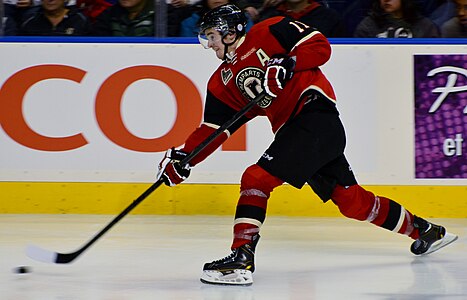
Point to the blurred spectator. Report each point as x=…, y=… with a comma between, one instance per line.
x=55, y=19
x=252, y=7
x=93, y=8
x=126, y=18
x=177, y=11
x=310, y=12
x=396, y=19
x=137, y=18
x=445, y=11
x=426, y=7
x=457, y=26
x=190, y=26
x=16, y=12
x=352, y=11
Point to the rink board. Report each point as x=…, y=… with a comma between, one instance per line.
x=82, y=132
x=203, y=199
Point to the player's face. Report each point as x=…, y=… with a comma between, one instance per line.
x=214, y=41
x=392, y=7
x=212, y=38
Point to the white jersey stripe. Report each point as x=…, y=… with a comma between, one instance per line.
x=248, y=221
x=401, y=220
x=307, y=37
x=216, y=127
x=317, y=88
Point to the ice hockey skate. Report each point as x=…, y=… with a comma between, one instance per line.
x=432, y=237
x=234, y=269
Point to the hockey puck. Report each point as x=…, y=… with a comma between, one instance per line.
x=22, y=270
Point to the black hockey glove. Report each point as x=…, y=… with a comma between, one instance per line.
x=279, y=70
x=170, y=170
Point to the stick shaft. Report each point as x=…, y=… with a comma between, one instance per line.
x=221, y=129
x=64, y=258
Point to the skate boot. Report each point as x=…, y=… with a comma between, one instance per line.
x=432, y=237
x=234, y=269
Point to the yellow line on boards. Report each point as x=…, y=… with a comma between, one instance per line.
x=210, y=199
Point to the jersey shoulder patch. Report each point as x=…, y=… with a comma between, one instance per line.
x=289, y=32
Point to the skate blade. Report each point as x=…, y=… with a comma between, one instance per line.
x=238, y=277
x=446, y=240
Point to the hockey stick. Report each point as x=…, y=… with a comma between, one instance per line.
x=47, y=256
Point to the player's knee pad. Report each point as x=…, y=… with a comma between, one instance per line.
x=354, y=201
x=257, y=178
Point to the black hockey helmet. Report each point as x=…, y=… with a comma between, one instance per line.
x=226, y=19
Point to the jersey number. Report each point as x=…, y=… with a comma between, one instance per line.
x=299, y=25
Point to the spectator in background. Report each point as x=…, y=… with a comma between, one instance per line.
x=190, y=26
x=457, y=26
x=445, y=11
x=93, y=8
x=254, y=7
x=352, y=11
x=426, y=7
x=126, y=18
x=177, y=11
x=16, y=12
x=310, y=12
x=55, y=19
x=396, y=19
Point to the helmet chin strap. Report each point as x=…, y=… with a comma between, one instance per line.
x=226, y=47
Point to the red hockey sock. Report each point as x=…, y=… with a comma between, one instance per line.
x=391, y=215
x=256, y=186
x=357, y=203
x=243, y=234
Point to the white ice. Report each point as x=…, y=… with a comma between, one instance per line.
x=161, y=257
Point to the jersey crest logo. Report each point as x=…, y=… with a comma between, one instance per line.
x=226, y=75
x=248, y=81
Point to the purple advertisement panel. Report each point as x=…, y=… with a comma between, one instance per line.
x=440, y=116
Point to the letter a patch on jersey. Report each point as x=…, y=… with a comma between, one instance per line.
x=226, y=75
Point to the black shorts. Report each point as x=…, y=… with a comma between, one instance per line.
x=310, y=148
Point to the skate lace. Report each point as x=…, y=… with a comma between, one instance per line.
x=226, y=258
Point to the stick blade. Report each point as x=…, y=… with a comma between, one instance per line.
x=42, y=255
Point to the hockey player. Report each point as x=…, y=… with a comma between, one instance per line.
x=281, y=57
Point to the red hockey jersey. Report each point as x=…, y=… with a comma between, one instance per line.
x=239, y=80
